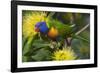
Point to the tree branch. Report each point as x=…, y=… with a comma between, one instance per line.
x=85, y=27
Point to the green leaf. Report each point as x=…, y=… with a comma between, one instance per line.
x=24, y=59
x=81, y=48
x=40, y=44
x=85, y=34
x=81, y=38
x=42, y=55
x=24, y=41
x=28, y=45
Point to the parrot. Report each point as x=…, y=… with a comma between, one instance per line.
x=55, y=30
x=65, y=31
x=43, y=29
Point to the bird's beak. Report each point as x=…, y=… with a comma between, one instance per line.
x=36, y=29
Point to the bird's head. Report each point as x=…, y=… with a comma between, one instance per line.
x=41, y=27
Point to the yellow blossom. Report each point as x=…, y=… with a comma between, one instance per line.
x=64, y=54
x=29, y=20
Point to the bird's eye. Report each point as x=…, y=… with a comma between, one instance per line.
x=40, y=25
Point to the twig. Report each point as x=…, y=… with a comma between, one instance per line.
x=40, y=36
x=85, y=27
x=51, y=14
x=83, y=38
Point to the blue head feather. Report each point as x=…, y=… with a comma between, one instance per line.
x=42, y=27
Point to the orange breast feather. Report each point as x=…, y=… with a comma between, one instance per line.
x=53, y=32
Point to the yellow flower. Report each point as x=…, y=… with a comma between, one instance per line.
x=64, y=54
x=29, y=20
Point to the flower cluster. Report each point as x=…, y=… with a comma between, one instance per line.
x=29, y=21
x=64, y=54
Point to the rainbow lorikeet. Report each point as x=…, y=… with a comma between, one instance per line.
x=56, y=29
x=43, y=29
x=65, y=31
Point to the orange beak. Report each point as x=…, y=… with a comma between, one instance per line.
x=37, y=29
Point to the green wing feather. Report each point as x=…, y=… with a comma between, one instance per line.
x=63, y=29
